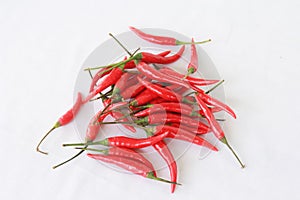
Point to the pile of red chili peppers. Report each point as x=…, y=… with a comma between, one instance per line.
x=143, y=92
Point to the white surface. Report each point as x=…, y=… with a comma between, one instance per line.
x=255, y=48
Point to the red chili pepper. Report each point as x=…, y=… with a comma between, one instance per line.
x=162, y=40
x=122, y=141
x=166, y=154
x=214, y=102
x=161, y=118
x=157, y=100
x=64, y=119
x=215, y=127
x=101, y=73
x=168, y=107
x=109, y=80
x=154, y=74
x=193, y=65
x=143, y=98
x=129, y=165
x=181, y=134
x=132, y=91
x=157, y=59
x=194, y=130
x=124, y=152
x=189, y=79
x=120, y=85
x=160, y=91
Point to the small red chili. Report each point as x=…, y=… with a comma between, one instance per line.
x=122, y=141
x=160, y=91
x=193, y=65
x=129, y=165
x=162, y=40
x=64, y=119
x=143, y=98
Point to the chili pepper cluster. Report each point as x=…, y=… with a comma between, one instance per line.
x=143, y=92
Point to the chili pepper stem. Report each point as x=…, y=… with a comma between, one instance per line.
x=214, y=87
x=150, y=175
x=125, y=49
x=75, y=156
x=224, y=140
x=201, y=42
x=104, y=151
x=56, y=125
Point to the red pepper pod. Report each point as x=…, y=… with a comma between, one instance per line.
x=133, y=143
x=109, y=80
x=214, y=102
x=160, y=91
x=94, y=126
x=69, y=115
x=143, y=98
x=193, y=65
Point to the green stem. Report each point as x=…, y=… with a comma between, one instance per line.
x=214, y=87
x=128, y=52
x=75, y=156
x=201, y=42
x=56, y=125
x=150, y=175
x=104, y=151
x=224, y=140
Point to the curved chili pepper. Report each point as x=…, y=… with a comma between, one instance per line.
x=181, y=134
x=193, y=64
x=162, y=148
x=189, y=79
x=214, y=102
x=215, y=127
x=153, y=74
x=102, y=72
x=129, y=165
x=109, y=80
x=124, y=152
x=122, y=141
x=143, y=98
x=64, y=119
x=160, y=91
x=161, y=118
x=162, y=40
x=166, y=106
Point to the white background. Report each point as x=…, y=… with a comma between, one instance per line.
x=255, y=48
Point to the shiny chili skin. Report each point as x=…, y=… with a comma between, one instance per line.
x=189, y=79
x=162, y=148
x=132, y=91
x=157, y=59
x=132, y=143
x=93, y=127
x=194, y=130
x=154, y=74
x=161, y=118
x=193, y=64
x=160, y=91
x=214, y=102
x=123, y=162
x=114, y=75
x=69, y=115
x=143, y=98
x=102, y=72
x=215, y=127
x=168, y=107
x=128, y=153
x=184, y=135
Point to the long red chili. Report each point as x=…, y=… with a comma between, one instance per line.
x=161, y=118
x=189, y=79
x=129, y=165
x=162, y=148
x=160, y=91
x=214, y=102
x=181, y=134
x=109, y=80
x=193, y=64
x=162, y=40
x=122, y=141
x=132, y=91
x=143, y=98
x=153, y=74
x=124, y=152
x=194, y=130
x=64, y=119
x=215, y=126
